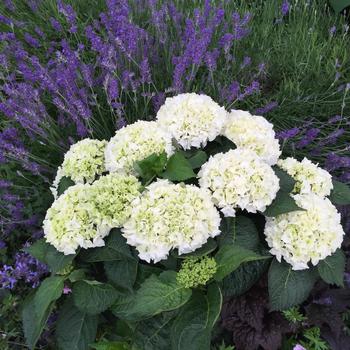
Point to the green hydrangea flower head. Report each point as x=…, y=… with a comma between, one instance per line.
x=196, y=271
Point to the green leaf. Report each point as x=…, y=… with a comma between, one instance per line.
x=110, y=345
x=157, y=294
x=93, y=297
x=340, y=193
x=75, y=330
x=50, y=290
x=32, y=325
x=145, y=271
x=64, y=183
x=122, y=273
x=287, y=183
x=197, y=159
x=116, y=248
x=230, y=257
x=37, y=309
x=49, y=255
x=151, y=166
x=283, y=203
x=242, y=279
x=178, y=168
x=38, y=250
x=154, y=333
x=77, y=275
x=339, y=5
x=332, y=268
x=207, y=248
x=192, y=328
x=288, y=287
x=239, y=230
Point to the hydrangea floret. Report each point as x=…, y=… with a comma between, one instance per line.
x=136, y=142
x=254, y=133
x=239, y=179
x=196, y=271
x=169, y=216
x=84, y=214
x=70, y=223
x=82, y=163
x=305, y=236
x=192, y=119
x=309, y=177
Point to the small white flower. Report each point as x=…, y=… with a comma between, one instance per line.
x=309, y=177
x=169, y=216
x=254, y=133
x=301, y=237
x=136, y=142
x=239, y=179
x=192, y=119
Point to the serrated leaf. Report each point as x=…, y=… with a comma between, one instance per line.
x=287, y=287
x=154, y=333
x=75, y=330
x=32, y=325
x=144, y=272
x=178, y=168
x=332, y=268
x=122, y=273
x=151, y=166
x=283, y=203
x=243, y=278
x=50, y=290
x=287, y=182
x=116, y=248
x=77, y=275
x=230, y=257
x=157, y=294
x=197, y=159
x=239, y=230
x=49, y=255
x=64, y=184
x=340, y=193
x=93, y=297
x=192, y=328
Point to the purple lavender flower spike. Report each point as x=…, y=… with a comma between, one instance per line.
x=285, y=8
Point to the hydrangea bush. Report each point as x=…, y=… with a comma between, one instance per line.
x=157, y=239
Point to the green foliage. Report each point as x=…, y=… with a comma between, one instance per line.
x=178, y=168
x=294, y=315
x=48, y=254
x=93, y=297
x=157, y=294
x=196, y=158
x=75, y=329
x=313, y=340
x=151, y=166
x=192, y=328
x=222, y=346
x=122, y=273
x=37, y=308
x=283, y=203
x=110, y=345
x=230, y=257
x=339, y=5
x=115, y=249
x=64, y=184
x=340, y=193
x=288, y=288
x=332, y=268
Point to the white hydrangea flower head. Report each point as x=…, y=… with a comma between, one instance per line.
x=309, y=177
x=70, y=223
x=192, y=119
x=254, y=133
x=136, y=142
x=112, y=196
x=301, y=237
x=239, y=179
x=83, y=161
x=169, y=216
